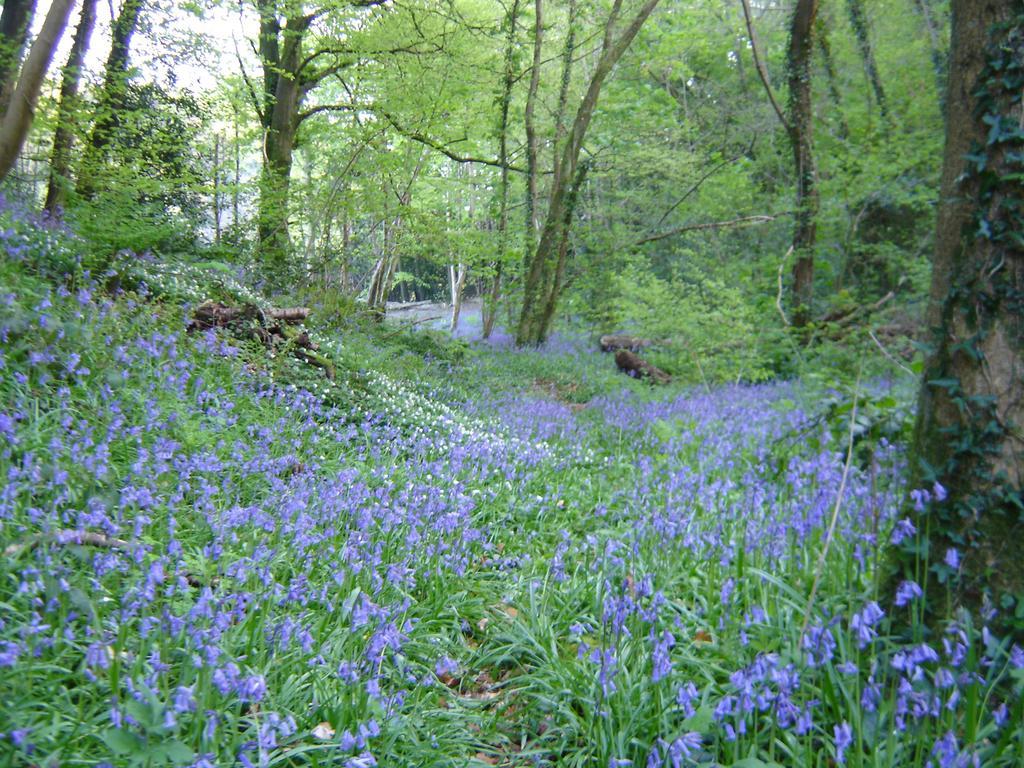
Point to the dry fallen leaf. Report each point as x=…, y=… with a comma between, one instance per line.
x=323, y=731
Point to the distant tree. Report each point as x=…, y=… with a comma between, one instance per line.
x=20, y=110
x=112, y=94
x=15, y=23
x=798, y=120
x=68, y=109
x=544, y=276
x=801, y=139
x=861, y=30
x=969, y=436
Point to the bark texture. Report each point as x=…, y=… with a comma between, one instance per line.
x=800, y=126
x=284, y=91
x=17, y=118
x=969, y=434
x=15, y=22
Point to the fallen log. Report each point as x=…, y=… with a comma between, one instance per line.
x=616, y=341
x=251, y=322
x=634, y=365
x=65, y=537
x=213, y=314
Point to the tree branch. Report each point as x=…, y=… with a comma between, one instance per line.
x=740, y=222
x=762, y=70
x=443, y=149
x=701, y=180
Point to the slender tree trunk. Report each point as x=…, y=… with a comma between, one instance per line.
x=236, y=190
x=346, y=240
x=938, y=53
x=969, y=435
x=112, y=95
x=67, y=111
x=217, y=203
x=15, y=24
x=542, y=284
x=532, y=142
x=17, y=118
x=492, y=297
x=801, y=122
x=825, y=47
x=859, y=21
x=459, y=275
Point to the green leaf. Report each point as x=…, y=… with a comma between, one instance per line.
x=121, y=742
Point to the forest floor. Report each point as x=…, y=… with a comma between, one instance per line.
x=450, y=556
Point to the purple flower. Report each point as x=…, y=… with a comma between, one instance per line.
x=684, y=748
x=952, y=558
x=685, y=697
x=907, y=591
x=863, y=623
x=903, y=530
x=183, y=700
x=844, y=737
x=661, y=659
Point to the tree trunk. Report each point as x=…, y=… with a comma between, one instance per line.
x=859, y=21
x=801, y=122
x=532, y=142
x=67, y=111
x=938, y=54
x=492, y=298
x=112, y=95
x=217, y=201
x=825, y=46
x=281, y=54
x=15, y=23
x=545, y=269
x=458, y=287
x=968, y=435
x=17, y=118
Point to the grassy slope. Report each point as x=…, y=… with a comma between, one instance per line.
x=433, y=563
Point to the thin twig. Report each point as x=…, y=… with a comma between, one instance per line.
x=740, y=222
x=886, y=352
x=762, y=70
x=778, y=295
x=835, y=514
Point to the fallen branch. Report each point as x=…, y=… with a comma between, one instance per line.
x=64, y=537
x=634, y=365
x=211, y=314
x=614, y=342
x=844, y=317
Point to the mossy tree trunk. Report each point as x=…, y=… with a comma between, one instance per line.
x=969, y=435
x=800, y=127
x=545, y=267
x=15, y=23
x=67, y=111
